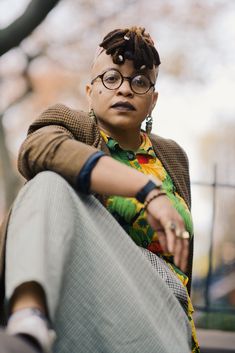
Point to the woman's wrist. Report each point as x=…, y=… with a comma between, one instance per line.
x=152, y=196
x=110, y=177
x=148, y=188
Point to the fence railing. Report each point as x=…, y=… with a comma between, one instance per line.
x=214, y=185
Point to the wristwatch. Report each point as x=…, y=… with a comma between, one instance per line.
x=151, y=185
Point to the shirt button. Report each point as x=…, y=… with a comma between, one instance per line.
x=145, y=243
x=130, y=156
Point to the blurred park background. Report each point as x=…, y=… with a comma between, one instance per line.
x=196, y=106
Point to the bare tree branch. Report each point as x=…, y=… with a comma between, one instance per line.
x=34, y=14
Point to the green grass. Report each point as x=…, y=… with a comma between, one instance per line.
x=216, y=321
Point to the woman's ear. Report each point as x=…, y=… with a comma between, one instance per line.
x=154, y=100
x=88, y=93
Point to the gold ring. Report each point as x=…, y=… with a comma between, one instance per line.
x=178, y=232
x=183, y=235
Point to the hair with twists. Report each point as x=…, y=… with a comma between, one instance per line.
x=132, y=44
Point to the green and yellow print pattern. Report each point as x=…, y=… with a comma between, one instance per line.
x=131, y=215
x=128, y=211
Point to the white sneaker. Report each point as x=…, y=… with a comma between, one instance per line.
x=32, y=322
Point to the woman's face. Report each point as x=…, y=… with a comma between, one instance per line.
x=120, y=108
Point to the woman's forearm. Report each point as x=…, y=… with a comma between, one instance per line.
x=111, y=177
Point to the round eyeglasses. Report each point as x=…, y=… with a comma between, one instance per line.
x=113, y=79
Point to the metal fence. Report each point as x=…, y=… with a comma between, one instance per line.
x=215, y=185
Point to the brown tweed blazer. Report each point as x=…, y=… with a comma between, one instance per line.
x=62, y=139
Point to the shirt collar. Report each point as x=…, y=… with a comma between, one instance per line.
x=145, y=147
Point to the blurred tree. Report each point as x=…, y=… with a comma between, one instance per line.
x=217, y=147
x=58, y=55
x=34, y=14
x=9, y=179
x=11, y=37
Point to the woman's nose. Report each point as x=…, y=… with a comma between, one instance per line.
x=125, y=88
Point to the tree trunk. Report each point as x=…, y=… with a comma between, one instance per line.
x=11, y=37
x=10, y=181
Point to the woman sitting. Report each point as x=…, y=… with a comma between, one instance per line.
x=99, y=238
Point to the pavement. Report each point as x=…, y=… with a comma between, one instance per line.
x=213, y=341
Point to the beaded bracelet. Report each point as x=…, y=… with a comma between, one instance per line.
x=162, y=193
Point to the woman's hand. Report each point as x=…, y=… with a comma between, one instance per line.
x=110, y=177
x=170, y=227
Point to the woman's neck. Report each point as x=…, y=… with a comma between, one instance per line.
x=127, y=139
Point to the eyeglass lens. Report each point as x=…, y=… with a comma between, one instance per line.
x=112, y=79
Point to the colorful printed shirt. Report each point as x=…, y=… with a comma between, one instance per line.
x=131, y=215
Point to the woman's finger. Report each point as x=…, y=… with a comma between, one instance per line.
x=178, y=252
x=181, y=250
x=171, y=238
x=184, y=255
x=163, y=240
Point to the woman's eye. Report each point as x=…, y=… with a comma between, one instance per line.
x=111, y=78
x=141, y=81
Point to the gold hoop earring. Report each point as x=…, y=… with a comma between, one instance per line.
x=148, y=124
x=92, y=115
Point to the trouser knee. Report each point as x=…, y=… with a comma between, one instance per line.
x=47, y=185
x=52, y=179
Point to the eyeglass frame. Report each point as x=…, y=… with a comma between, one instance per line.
x=128, y=78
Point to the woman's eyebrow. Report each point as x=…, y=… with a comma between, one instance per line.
x=110, y=68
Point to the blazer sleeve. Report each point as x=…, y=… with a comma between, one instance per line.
x=60, y=140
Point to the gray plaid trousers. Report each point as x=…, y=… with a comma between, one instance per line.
x=104, y=294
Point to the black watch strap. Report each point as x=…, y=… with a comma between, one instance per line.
x=142, y=194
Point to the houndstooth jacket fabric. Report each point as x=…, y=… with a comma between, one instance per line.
x=62, y=139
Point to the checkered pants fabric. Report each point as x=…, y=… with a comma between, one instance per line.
x=103, y=294
x=168, y=277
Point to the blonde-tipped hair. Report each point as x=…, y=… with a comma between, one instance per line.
x=132, y=44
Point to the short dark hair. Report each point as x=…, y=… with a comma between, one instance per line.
x=132, y=44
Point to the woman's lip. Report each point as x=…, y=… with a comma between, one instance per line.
x=123, y=106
